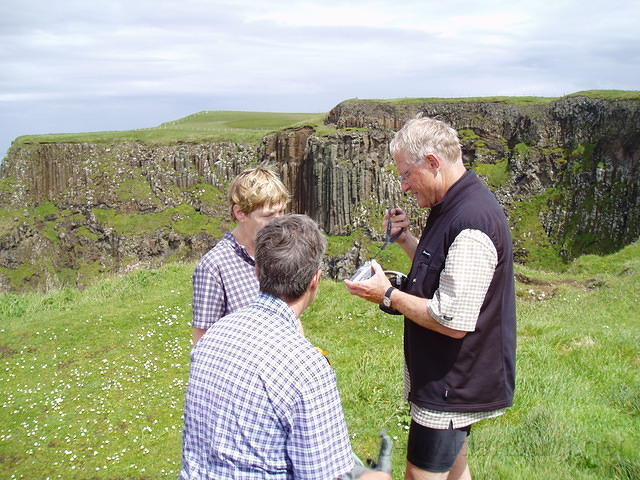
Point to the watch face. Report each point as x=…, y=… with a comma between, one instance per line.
x=386, y=301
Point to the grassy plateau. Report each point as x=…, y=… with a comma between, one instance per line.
x=93, y=382
x=251, y=127
x=206, y=126
x=513, y=100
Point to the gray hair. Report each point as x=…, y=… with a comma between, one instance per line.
x=289, y=251
x=421, y=136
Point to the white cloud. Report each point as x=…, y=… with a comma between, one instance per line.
x=306, y=55
x=306, y=14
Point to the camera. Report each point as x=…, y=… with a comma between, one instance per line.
x=397, y=279
x=365, y=272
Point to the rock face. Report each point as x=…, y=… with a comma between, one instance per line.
x=70, y=211
x=581, y=152
x=335, y=180
x=87, y=175
x=566, y=171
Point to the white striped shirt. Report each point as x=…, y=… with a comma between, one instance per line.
x=468, y=270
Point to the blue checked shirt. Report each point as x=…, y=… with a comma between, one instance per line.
x=224, y=281
x=262, y=402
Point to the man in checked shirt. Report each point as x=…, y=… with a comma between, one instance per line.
x=225, y=279
x=262, y=401
x=458, y=301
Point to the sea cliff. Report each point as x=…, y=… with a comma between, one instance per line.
x=566, y=171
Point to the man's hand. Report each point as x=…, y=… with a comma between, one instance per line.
x=375, y=475
x=372, y=289
x=399, y=223
x=384, y=456
x=197, y=335
x=381, y=468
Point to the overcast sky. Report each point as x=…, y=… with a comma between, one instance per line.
x=78, y=65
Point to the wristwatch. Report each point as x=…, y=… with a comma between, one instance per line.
x=386, y=300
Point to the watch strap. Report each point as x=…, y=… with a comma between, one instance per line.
x=387, y=295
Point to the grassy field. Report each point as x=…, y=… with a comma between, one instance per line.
x=422, y=100
x=523, y=100
x=93, y=382
x=208, y=126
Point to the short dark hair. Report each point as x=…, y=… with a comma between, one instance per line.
x=289, y=252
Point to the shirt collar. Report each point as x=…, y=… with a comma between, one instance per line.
x=239, y=249
x=278, y=307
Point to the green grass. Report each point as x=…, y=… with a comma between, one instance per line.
x=93, y=381
x=212, y=120
x=513, y=100
x=183, y=219
x=391, y=258
x=41, y=218
x=208, y=126
x=419, y=101
x=529, y=234
x=496, y=173
x=609, y=94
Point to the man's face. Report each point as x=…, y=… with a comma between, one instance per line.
x=421, y=179
x=261, y=217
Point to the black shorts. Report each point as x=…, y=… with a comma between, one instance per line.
x=435, y=450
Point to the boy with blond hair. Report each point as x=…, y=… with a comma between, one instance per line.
x=225, y=279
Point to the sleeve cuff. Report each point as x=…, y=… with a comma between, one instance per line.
x=434, y=309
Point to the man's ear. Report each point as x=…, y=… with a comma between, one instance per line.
x=315, y=281
x=238, y=213
x=432, y=160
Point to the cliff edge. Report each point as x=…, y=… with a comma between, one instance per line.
x=565, y=170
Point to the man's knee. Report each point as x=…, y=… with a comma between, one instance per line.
x=415, y=473
x=434, y=451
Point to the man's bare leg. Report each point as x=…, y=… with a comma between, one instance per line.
x=459, y=471
x=415, y=473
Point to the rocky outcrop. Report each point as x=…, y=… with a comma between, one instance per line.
x=88, y=175
x=72, y=211
x=566, y=171
x=336, y=180
x=586, y=149
x=571, y=120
